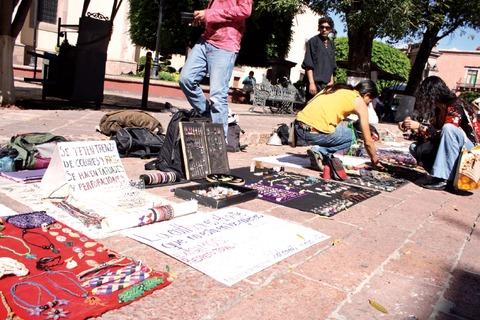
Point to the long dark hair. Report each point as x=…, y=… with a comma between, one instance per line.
x=432, y=92
x=363, y=87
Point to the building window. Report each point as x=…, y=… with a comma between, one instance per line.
x=472, y=76
x=47, y=11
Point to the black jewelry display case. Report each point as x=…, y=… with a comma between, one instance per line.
x=188, y=193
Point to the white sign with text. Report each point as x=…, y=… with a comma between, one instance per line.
x=83, y=166
x=229, y=244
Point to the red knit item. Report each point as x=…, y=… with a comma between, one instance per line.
x=78, y=307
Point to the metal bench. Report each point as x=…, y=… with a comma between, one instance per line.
x=275, y=98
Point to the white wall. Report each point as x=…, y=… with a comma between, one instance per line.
x=305, y=26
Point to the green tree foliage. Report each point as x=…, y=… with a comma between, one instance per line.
x=469, y=96
x=384, y=56
x=174, y=35
x=436, y=20
x=367, y=20
x=268, y=33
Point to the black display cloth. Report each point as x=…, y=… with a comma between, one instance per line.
x=311, y=194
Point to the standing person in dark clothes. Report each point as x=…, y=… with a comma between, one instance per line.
x=319, y=62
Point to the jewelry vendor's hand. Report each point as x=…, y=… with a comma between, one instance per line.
x=410, y=124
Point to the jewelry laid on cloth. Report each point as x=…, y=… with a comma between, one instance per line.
x=47, y=263
x=139, y=289
x=31, y=220
x=112, y=275
x=157, y=214
x=49, y=246
x=88, y=218
x=10, y=314
x=35, y=309
x=94, y=301
x=56, y=314
x=227, y=178
x=112, y=263
x=122, y=283
x=12, y=266
x=44, y=227
x=159, y=177
x=71, y=264
x=71, y=278
x=27, y=255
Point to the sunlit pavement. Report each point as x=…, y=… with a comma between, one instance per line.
x=413, y=251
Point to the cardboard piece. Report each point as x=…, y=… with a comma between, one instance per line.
x=81, y=167
x=229, y=244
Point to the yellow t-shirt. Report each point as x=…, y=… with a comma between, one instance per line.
x=325, y=111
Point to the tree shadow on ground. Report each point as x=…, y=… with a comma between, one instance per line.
x=464, y=296
x=31, y=98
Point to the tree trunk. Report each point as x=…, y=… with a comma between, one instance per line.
x=7, y=89
x=416, y=73
x=360, y=44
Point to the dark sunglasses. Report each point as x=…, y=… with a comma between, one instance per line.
x=325, y=27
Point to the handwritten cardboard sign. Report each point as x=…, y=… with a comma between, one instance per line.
x=84, y=166
x=229, y=244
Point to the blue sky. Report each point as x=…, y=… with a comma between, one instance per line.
x=465, y=39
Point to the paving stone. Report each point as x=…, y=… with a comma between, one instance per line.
x=397, y=248
x=401, y=296
x=420, y=263
x=312, y=300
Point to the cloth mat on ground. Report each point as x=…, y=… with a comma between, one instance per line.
x=392, y=155
x=57, y=292
x=30, y=195
x=25, y=176
x=310, y=194
x=394, y=177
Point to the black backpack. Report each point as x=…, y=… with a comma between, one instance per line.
x=170, y=156
x=233, y=138
x=283, y=133
x=138, y=142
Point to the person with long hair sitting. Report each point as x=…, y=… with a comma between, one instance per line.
x=445, y=124
x=320, y=122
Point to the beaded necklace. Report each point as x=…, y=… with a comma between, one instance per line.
x=49, y=246
x=27, y=255
x=72, y=279
x=38, y=308
x=10, y=314
x=92, y=271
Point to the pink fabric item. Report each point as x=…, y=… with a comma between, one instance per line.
x=41, y=162
x=225, y=23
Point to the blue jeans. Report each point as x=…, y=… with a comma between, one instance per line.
x=327, y=144
x=205, y=58
x=452, y=139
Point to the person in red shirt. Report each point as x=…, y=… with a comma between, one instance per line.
x=215, y=53
x=445, y=125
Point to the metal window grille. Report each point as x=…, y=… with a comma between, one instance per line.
x=47, y=11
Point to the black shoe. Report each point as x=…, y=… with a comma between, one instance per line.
x=436, y=184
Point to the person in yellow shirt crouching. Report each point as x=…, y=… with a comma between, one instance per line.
x=320, y=122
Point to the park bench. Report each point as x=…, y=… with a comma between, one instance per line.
x=276, y=98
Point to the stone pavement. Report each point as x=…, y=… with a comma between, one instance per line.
x=414, y=251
